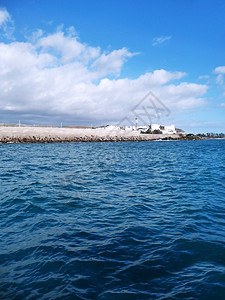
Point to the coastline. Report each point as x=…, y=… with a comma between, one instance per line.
x=11, y=134
x=46, y=134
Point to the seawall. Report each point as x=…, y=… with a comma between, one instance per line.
x=59, y=135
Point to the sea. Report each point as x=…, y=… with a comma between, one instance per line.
x=125, y=220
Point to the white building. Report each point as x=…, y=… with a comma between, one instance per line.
x=154, y=127
x=112, y=127
x=130, y=128
x=143, y=128
x=165, y=129
x=169, y=129
x=140, y=128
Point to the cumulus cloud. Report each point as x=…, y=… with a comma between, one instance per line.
x=160, y=40
x=112, y=63
x=58, y=77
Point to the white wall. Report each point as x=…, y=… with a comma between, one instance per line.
x=155, y=127
x=167, y=129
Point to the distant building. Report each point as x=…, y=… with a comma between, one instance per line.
x=164, y=129
x=140, y=128
x=143, y=128
x=112, y=127
x=130, y=128
x=168, y=129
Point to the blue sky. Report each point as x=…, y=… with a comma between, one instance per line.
x=90, y=62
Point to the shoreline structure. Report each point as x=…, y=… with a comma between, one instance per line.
x=29, y=134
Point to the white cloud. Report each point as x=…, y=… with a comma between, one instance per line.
x=66, y=48
x=222, y=104
x=112, y=63
x=58, y=77
x=4, y=16
x=220, y=70
x=220, y=77
x=160, y=40
x=204, y=77
x=6, y=24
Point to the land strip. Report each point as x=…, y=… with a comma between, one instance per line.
x=59, y=135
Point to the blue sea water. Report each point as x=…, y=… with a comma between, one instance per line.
x=132, y=220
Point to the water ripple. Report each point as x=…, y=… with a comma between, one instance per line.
x=112, y=220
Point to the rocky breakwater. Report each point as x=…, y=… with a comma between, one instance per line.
x=62, y=135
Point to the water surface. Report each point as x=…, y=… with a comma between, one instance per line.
x=142, y=220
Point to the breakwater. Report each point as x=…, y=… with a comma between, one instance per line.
x=61, y=135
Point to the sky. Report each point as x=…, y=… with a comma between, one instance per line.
x=107, y=62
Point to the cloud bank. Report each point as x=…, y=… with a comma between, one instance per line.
x=56, y=77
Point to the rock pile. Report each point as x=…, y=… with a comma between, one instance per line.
x=74, y=139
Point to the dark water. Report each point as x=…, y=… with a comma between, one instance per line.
x=113, y=220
